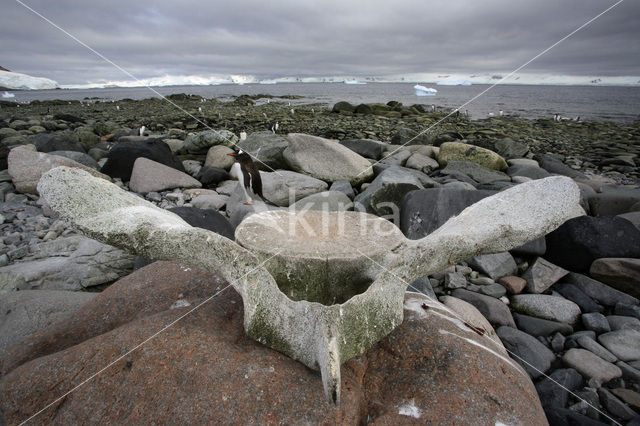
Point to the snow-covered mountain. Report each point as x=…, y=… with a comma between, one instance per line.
x=17, y=81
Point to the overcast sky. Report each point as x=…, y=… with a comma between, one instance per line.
x=276, y=38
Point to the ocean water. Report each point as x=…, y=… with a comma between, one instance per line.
x=601, y=103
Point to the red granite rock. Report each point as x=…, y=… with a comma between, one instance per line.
x=514, y=285
x=204, y=369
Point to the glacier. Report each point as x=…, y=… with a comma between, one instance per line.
x=442, y=79
x=454, y=83
x=18, y=81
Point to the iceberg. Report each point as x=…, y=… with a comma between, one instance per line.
x=242, y=79
x=7, y=95
x=354, y=82
x=268, y=82
x=18, y=81
x=424, y=91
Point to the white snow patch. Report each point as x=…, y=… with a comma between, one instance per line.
x=410, y=409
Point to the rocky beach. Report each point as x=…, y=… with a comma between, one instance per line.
x=560, y=314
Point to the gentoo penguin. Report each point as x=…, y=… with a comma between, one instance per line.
x=141, y=131
x=248, y=175
x=274, y=126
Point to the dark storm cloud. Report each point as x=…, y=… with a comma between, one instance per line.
x=315, y=38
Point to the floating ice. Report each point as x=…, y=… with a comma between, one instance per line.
x=424, y=91
x=354, y=82
x=8, y=95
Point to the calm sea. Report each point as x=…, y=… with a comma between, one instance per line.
x=621, y=104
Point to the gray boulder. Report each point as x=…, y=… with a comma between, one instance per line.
x=577, y=296
x=422, y=162
x=536, y=247
x=592, y=346
x=209, y=201
x=148, y=176
x=628, y=310
x=384, y=195
x=78, y=156
x=237, y=210
x=633, y=217
x=618, y=322
x=395, y=157
x=423, y=286
x=508, y=148
x=367, y=148
x=532, y=355
x=580, y=241
x=616, y=407
x=620, y=273
x=6, y=132
x=553, y=308
x=542, y=274
x=22, y=313
x=598, y=291
x=343, y=186
x=200, y=143
x=26, y=167
x=624, y=343
x=326, y=159
x=406, y=136
x=474, y=317
x=475, y=171
x=326, y=201
x=553, y=165
x=540, y=327
x=422, y=212
x=218, y=156
x=531, y=172
x=552, y=395
x=495, y=311
x=266, y=148
x=596, y=321
x=284, y=187
x=590, y=365
x=611, y=203
x=47, y=142
x=495, y=265
x=70, y=263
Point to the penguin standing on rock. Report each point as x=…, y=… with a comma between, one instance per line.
x=248, y=175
